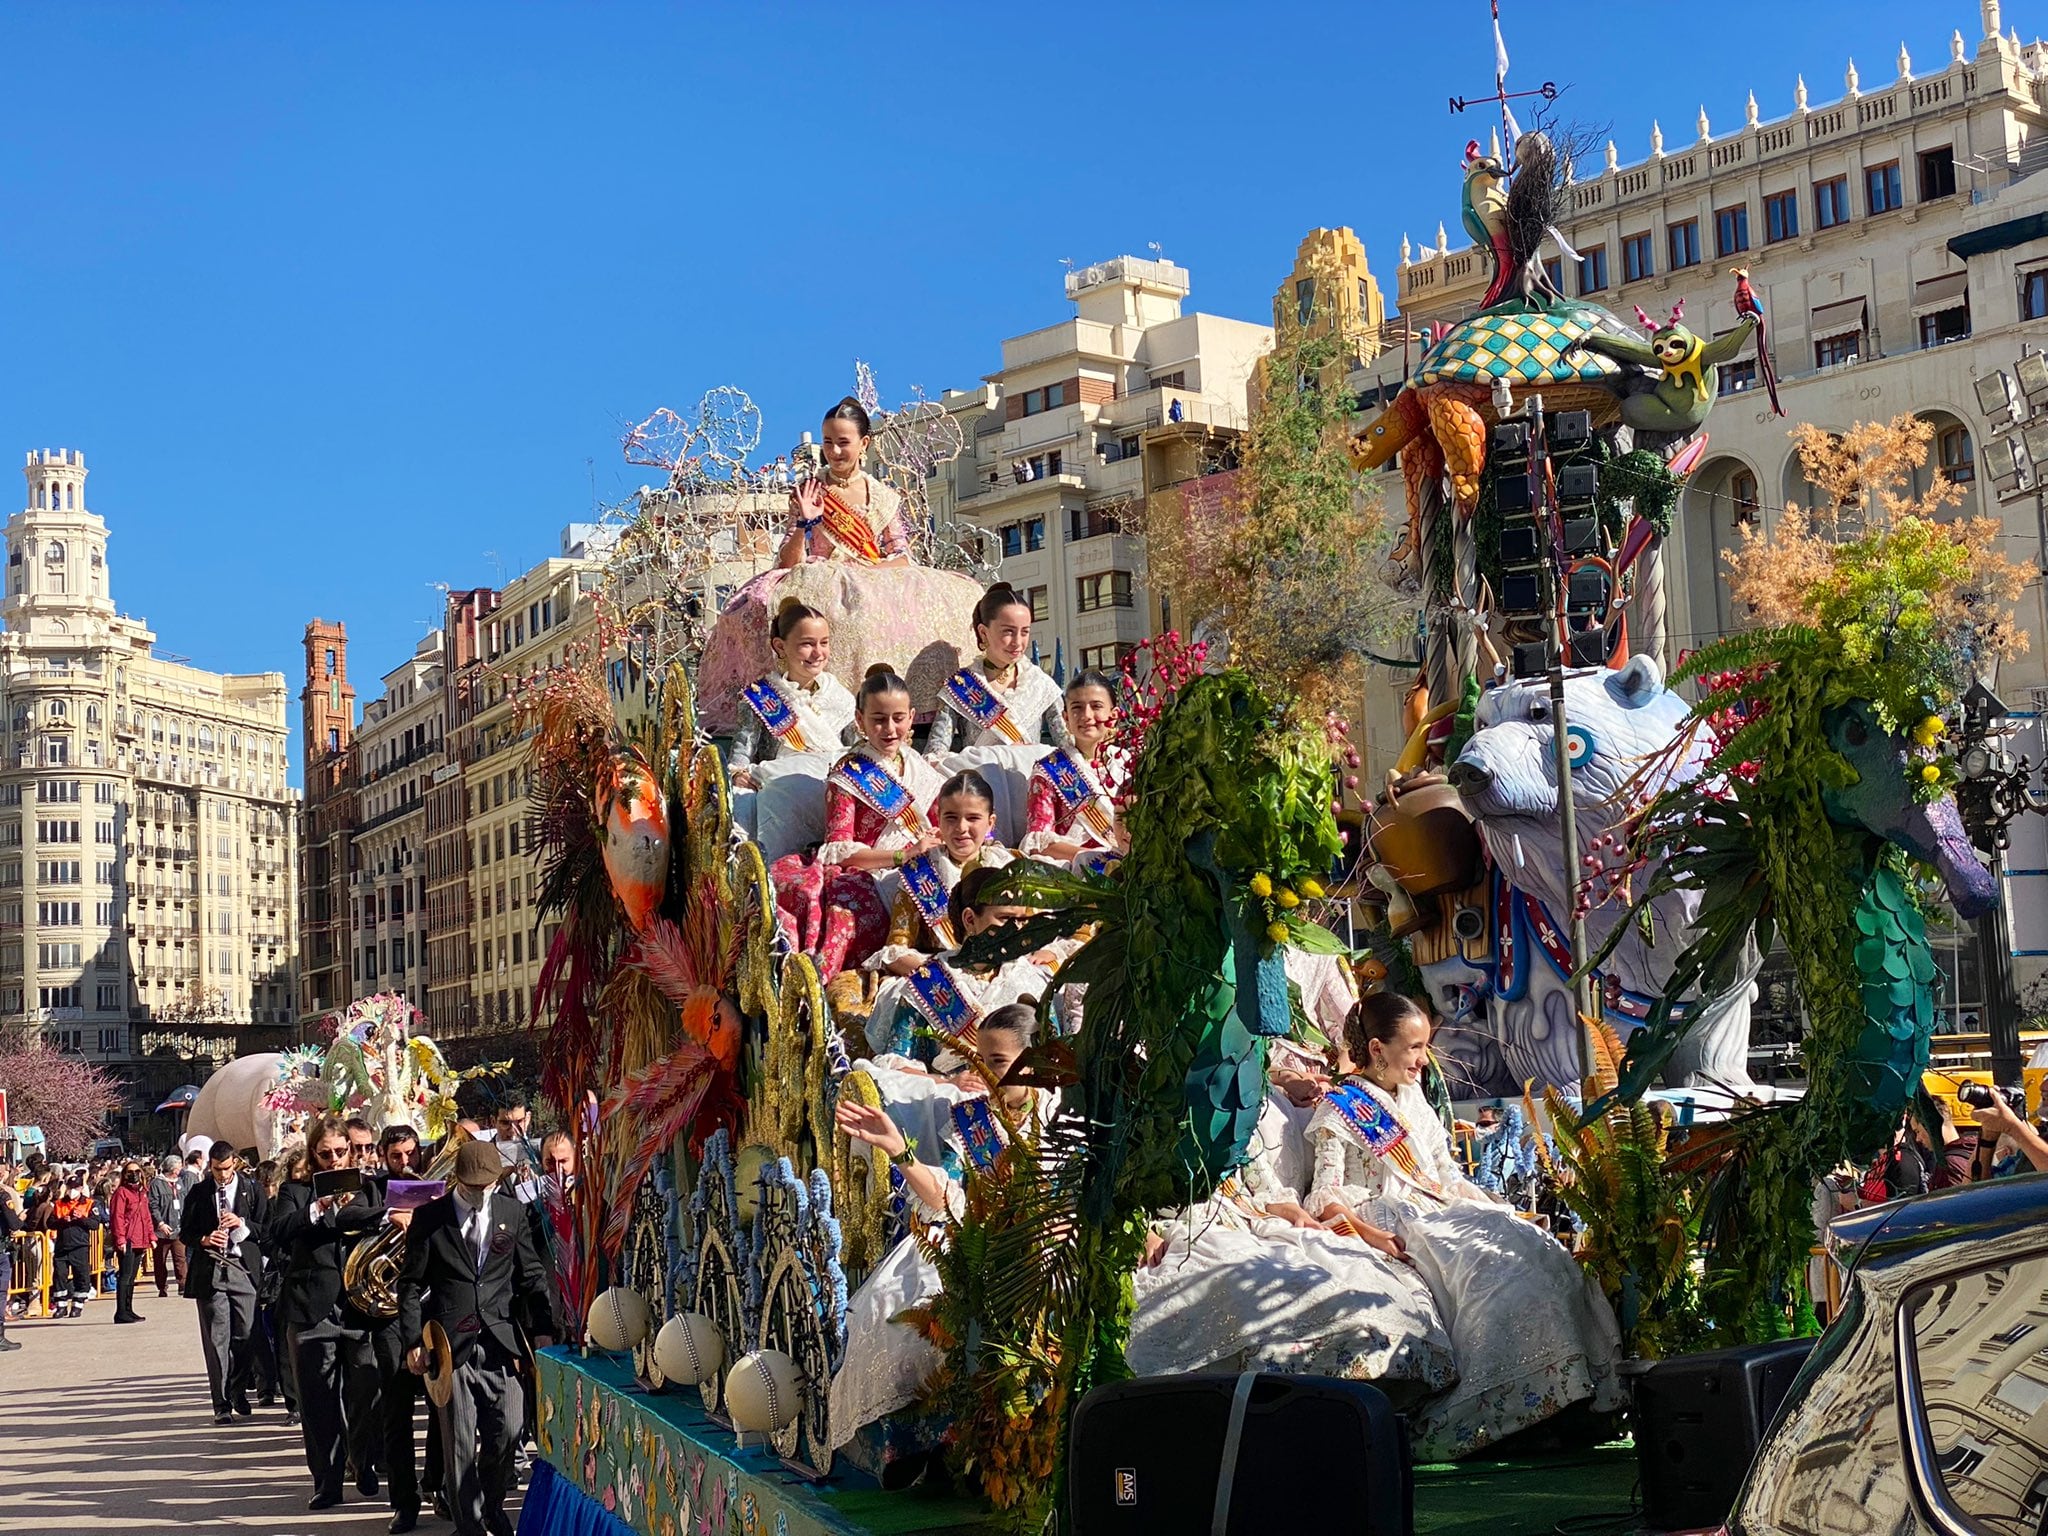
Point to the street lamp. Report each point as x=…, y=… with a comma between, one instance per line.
x=1994, y=788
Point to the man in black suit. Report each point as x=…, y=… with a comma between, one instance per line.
x=328, y=1339
x=471, y=1266
x=222, y=1226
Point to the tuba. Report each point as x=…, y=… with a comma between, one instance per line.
x=369, y=1275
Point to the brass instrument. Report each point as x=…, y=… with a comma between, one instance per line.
x=369, y=1275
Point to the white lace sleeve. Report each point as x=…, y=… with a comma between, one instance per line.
x=1327, y=1161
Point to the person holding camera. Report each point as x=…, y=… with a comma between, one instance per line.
x=1998, y=1119
x=222, y=1228
x=317, y=1219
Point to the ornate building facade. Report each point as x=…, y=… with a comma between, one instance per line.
x=148, y=838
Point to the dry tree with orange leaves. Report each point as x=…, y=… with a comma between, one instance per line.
x=1875, y=559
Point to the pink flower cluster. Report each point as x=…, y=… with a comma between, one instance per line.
x=1152, y=674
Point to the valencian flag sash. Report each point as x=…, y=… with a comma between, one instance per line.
x=968, y=694
x=1378, y=1128
x=776, y=712
x=1075, y=788
x=935, y=993
x=979, y=1132
x=878, y=789
x=927, y=890
x=850, y=530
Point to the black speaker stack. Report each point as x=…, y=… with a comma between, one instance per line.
x=1699, y=1422
x=1196, y=1455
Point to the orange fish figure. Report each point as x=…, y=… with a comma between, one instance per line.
x=636, y=843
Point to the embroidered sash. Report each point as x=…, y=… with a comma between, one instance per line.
x=1097, y=861
x=849, y=529
x=980, y=1133
x=968, y=694
x=934, y=992
x=777, y=713
x=879, y=790
x=1378, y=1129
x=926, y=888
x=1076, y=789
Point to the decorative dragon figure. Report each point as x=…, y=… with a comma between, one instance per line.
x=1813, y=822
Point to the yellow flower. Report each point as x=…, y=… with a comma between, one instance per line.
x=1287, y=898
x=1931, y=774
x=1930, y=729
x=1262, y=885
x=1310, y=888
x=1277, y=932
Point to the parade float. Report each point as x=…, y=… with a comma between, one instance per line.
x=377, y=1063
x=1578, y=869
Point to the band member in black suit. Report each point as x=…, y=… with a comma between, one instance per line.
x=329, y=1340
x=222, y=1229
x=400, y=1390
x=470, y=1266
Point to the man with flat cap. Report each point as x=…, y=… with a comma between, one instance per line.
x=471, y=1266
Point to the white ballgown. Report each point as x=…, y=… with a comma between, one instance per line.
x=1240, y=1291
x=1531, y=1331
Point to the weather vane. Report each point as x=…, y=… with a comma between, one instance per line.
x=1501, y=96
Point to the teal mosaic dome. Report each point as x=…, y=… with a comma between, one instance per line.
x=1522, y=343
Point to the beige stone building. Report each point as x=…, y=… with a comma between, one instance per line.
x=1898, y=237
x=1056, y=465
x=539, y=618
x=148, y=866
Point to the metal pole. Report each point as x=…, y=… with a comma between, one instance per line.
x=1567, y=814
x=2001, y=999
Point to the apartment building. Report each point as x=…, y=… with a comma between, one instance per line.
x=1055, y=470
x=148, y=902
x=542, y=618
x=398, y=748
x=451, y=995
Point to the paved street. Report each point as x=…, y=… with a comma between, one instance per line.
x=109, y=1429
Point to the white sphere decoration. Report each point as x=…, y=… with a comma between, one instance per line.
x=619, y=1319
x=761, y=1392
x=688, y=1349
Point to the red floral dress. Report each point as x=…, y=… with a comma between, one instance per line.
x=837, y=914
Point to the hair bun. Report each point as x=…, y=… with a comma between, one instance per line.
x=879, y=669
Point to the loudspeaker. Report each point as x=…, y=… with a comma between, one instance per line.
x=1147, y=1458
x=1699, y=1420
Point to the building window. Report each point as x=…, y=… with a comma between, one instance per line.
x=2034, y=294
x=109, y=994
x=1685, y=244
x=1831, y=202
x=1106, y=658
x=1090, y=523
x=1635, y=258
x=1945, y=325
x=1881, y=188
x=1593, y=270
x=1110, y=589
x=1041, y=605
x=1831, y=350
x=1738, y=376
x=1937, y=173
x=1957, y=460
x=1742, y=493
x=1731, y=230
x=1304, y=300
x=1034, y=401
x=1553, y=269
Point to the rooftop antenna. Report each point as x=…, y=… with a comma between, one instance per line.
x=497, y=565
x=1158, y=251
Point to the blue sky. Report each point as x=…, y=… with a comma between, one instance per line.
x=344, y=300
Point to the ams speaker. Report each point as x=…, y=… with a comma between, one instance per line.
x=1193, y=1455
